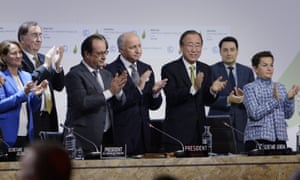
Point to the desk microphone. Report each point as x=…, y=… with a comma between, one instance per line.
x=85, y=139
x=259, y=146
x=178, y=152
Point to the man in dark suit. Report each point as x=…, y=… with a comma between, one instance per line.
x=142, y=94
x=230, y=100
x=90, y=90
x=30, y=37
x=189, y=89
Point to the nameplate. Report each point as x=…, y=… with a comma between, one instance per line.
x=196, y=150
x=113, y=152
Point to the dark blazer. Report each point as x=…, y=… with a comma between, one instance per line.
x=131, y=119
x=11, y=99
x=87, y=107
x=237, y=112
x=56, y=82
x=185, y=113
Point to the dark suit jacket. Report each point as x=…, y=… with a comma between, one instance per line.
x=56, y=82
x=185, y=113
x=237, y=111
x=131, y=119
x=87, y=107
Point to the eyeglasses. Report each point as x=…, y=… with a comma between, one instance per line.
x=36, y=35
x=191, y=45
x=101, y=53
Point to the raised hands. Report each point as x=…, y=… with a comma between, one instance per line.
x=236, y=96
x=218, y=85
x=36, y=89
x=159, y=85
x=118, y=82
x=54, y=54
x=293, y=91
x=198, y=81
x=2, y=81
x=143, y=79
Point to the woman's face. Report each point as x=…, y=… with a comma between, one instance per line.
x=265, y=68
x=14, y=56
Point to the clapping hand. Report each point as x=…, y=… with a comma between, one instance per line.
x=159, y=85
x=218, y=85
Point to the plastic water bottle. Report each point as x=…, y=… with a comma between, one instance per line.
x=70, y=143
x=207, y=138
x=298, y=140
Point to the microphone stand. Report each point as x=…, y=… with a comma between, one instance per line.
x=178, y=153
x=259, y=148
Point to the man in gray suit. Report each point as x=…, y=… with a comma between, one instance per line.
x=90, y=89
x=230, y=100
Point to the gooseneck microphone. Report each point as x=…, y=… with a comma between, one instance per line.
x=84, y=138
x=258, y=145
x=171, y=137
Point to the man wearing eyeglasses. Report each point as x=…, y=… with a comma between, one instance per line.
x=90, y=92
x=142, y=94
x=189, y=89
x=30, y=37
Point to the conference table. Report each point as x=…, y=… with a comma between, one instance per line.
x=219, y=167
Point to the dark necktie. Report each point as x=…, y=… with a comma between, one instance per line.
x=231, y=81
x=134, y=74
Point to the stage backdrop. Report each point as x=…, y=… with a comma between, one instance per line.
x=258, y=25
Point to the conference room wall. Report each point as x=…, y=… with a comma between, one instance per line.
x=258, y=25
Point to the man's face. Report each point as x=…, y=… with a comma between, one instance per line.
x=265, y=68
x=32, y=41
x=191, y=48
x=96, y=59
x=228, y=52
x=132, y=48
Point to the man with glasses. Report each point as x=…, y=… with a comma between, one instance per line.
x=30, y=37
x=90, y=91
x=142, y=94
x=189, y=89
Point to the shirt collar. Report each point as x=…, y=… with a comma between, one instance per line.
x=88, y=67
x=126, y=62
x=187, y=65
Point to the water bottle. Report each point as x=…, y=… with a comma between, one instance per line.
x=298, y=141
x=207, y=138
x=70, y=143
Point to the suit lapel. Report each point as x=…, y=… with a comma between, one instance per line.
x=11, y=80
x=90, y=77
x=105, y=78
x=182, y=72
x=28, y=66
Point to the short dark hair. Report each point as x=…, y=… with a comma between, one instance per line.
x=51, y=161
x=87, y=44
x=23, y=29
x=229, y=39
x=190, y=32
x=256, y=58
